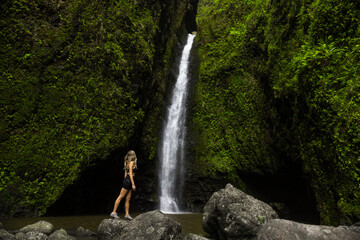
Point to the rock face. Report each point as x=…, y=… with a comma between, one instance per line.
x=110, y=229
x=232, y=214
x=281, y=229
x=152, y=225
x=41, y=226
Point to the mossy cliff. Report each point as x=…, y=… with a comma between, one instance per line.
x=278, y=89
x=78, y=80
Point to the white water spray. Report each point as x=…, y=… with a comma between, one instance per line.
x=173, y=139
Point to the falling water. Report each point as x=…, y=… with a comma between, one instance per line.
x=173, y=139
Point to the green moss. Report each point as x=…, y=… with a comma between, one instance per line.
x=70, y=78
x=230, y=111
x=278, y=84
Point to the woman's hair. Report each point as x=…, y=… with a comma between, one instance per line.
x=130, y=156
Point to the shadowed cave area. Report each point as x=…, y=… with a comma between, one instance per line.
x=288, y=192
x=99, y=185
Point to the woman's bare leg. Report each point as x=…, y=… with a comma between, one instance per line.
x=122, y=194
x=127, y=202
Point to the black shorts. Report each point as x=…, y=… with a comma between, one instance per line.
x=127, y=183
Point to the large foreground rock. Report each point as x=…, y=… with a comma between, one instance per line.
x=232, y=214
x=280, y=229
x=152, y=225
x=110, y=229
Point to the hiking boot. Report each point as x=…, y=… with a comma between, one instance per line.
x=128, y=217
x=114, y=215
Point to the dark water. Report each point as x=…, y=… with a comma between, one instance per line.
x=191, y=223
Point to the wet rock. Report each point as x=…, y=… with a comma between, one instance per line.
x=6, y=235
x=152, y=225
x=232, y=214
x=82, y=232
x=60, y=234
x=355, y=227
x=281, y=229
x=110, y=229
x=192, y=236
x=31, y=236
x=41, y=226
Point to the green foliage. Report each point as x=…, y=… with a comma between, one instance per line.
x=229, y=114
x=69, y=72
x=293, y=73
x=233, y=131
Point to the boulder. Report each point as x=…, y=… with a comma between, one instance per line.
x=31, y=236
x=60, y=234
x=281, y=229
x=192, y=236
x=6, y=235
x=355, y=227
x=82, y=232
x=152, y=225
x=110, y=229
x=232, y=214
x=41, y=226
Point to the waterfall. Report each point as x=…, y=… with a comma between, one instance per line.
x=171, y=175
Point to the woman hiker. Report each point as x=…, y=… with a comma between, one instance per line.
x=130, y=165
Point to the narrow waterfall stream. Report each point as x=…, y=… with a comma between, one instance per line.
x=171, y=175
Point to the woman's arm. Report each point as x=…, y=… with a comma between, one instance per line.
x=131, y=165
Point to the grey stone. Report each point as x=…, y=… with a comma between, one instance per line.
x=355, y=227
x=82, y=232
x=71, y=237
x=152, y=225
x=40, y=226
x=6, y=235
x=232, y=214
x=280, y=229
x=19, y=235
x=110, y=229
x=31, y=236
x=60, y=234
x=192, y=236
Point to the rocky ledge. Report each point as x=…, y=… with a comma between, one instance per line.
x=229, y=214
x=152, y=225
